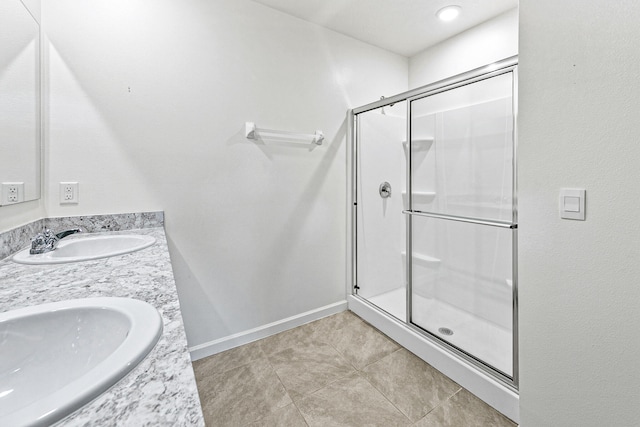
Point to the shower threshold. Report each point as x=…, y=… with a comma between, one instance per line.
x=483, y=339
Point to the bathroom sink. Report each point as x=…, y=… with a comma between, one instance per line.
x=55, y=358
x=87, y=247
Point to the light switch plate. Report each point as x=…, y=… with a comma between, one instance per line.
x=572, y=203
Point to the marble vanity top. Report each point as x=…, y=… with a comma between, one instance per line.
x=161, y=390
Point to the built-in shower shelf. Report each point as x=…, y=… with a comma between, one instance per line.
x=420, y=196
x=419, y=144
x=422, y=259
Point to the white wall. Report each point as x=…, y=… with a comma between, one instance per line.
x=483, y=44
x=12, y=216
x=579, y=281
x=147, y=108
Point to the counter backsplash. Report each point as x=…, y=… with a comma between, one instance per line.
x=19, y=238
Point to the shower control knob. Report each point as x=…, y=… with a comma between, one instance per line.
x=385, y=190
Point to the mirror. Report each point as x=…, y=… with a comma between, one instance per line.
x=19, y=104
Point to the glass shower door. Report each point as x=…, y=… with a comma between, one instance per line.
x=380, y=226
x=462, y=218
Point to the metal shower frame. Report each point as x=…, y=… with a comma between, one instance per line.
x=508, y=65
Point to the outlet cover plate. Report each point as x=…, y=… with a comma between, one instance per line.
x=68, y=193
x=12, y=192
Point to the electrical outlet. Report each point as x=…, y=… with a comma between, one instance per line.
x=68, y=193
x=12, y=192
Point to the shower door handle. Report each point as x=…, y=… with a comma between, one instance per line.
x=385, y=190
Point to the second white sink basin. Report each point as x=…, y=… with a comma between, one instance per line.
x=55, y=358
x=87, y=247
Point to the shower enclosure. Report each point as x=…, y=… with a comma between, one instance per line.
x=434, y=218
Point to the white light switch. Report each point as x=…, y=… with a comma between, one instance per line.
x=572, y=203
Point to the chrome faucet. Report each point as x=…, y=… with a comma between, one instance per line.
x=47, y=241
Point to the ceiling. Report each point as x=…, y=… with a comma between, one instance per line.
x=405, y=27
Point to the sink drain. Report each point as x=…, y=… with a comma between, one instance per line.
x=445, y=331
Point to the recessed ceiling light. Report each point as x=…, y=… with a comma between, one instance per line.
x=448, y=13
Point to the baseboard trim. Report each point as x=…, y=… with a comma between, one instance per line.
x=210, y=348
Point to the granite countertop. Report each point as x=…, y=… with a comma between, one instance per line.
x=161, y=390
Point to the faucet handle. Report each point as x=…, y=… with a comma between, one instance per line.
x=43, y=242
x=48, y=240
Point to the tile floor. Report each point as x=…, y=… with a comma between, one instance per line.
x=337, y=371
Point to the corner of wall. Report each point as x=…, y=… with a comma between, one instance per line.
x=34, y=8
x=483, y=44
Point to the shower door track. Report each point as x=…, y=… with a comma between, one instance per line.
x=508, y=65
x=482, y=73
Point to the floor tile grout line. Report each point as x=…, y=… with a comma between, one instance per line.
x=216, y=372
x=356, y=368
x=355, y=371
x=399, y=349
x=314, y=336
x=325, y=340
x=256, y=356
x=440, y=404
x=283, y=387
x=329, y=383
x=383, y=357
x=387, y=399
x=343, y=356
x=372, y=362
x=275, y=371
x=384, y=394
x=301, y=414
x=321, y=387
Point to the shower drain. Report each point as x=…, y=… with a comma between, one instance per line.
x=445, y=331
